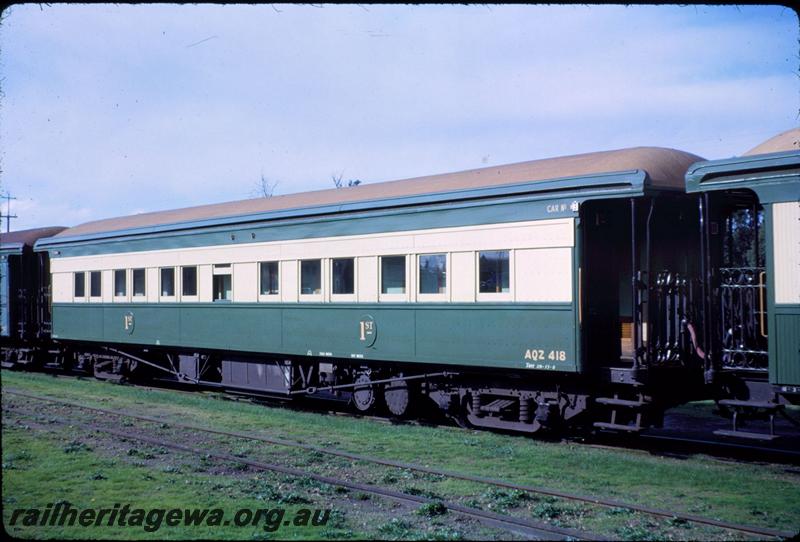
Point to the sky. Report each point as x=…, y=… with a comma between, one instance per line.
x=110, y=110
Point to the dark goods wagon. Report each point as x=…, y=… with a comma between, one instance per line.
x=24, y=296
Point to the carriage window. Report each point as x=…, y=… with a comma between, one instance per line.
x=94, y=284
x=493, y=269
x=189, y=276
x=744, y=240
x=433, y=274
x=167, y=281
x=120, y=282
x=393, y=274
x=270, y=278
x=310, y=277
x=223, y=284
x=80, y=284
x=343, y=275
x=138, y=282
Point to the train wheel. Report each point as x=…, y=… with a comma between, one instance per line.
x=363, y=393
x=398, y=396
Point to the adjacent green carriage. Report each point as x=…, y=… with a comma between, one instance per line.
x=751, y=271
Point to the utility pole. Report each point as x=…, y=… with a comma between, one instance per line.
x=8, y=216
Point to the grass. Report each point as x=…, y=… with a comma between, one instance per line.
x=432, y=509
x=50, y=472
x=766, y=495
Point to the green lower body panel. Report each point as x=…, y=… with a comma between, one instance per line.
x=787, y=345
x=519, y=336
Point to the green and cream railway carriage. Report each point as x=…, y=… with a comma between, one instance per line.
x=544, y=293
x=513, y=296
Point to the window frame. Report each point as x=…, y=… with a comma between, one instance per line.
x=494, y=296
x=408, y=262
x=269, y=297
x=76, y=297
x=440, y=296
x=134, y=295
x=175, y=289
x=114, y=296
x=224, y=270
x=196, y=295
x=92, y=297
x=348, y=296
x=322, y=280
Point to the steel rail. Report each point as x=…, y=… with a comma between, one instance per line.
x=761, y=531
x=720, y=444
x=519, y=525
x=779, y=454
x=717, y=446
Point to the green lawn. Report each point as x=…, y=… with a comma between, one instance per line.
x=766, y=495
x=38, y=467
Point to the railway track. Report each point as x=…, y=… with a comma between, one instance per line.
x=668, y=444
x=527, y=528
x=749, y=529
x=650, y=441
x=673, y=444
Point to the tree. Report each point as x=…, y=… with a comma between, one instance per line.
x=264, y=188
x=339, y=182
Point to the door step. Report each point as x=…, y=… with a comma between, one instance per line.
x=744, y=434
x=497, y=405
x=626, y=414
x=619, y=402
x=618, y=427
x=737, y=405
x=766, y=405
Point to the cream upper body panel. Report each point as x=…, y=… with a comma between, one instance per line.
x=786, y=238
x=534, y=234
x=540, y=254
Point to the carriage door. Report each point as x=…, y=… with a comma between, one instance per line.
x=741, y=280
x=606, y=283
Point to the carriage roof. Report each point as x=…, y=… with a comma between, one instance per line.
x=660, y=167
x=770, y=169
x=785, y=141
x=16, y=241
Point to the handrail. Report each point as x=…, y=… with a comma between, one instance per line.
x=580, y=298
x=762, y=311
